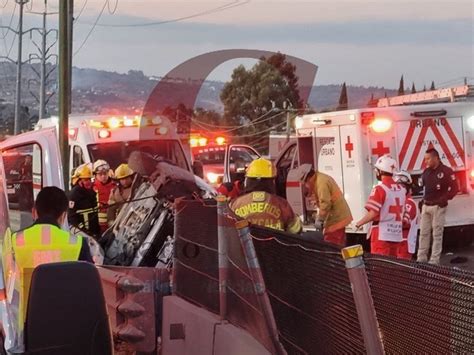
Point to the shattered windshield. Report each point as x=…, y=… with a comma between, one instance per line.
x=116, y=153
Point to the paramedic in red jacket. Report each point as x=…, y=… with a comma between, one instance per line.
x=103, y=186
x=411, y=218
x=385, y=209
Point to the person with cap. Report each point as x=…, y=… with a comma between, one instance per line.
x=411, y=217
x=43, y=242
x=385, y=208
x=103, y=186
x=128, y=182
x=260, y=205
x=440, y=186
x=83, y=209
x=334, y=213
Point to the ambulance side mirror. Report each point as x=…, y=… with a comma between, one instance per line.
x=198, y=169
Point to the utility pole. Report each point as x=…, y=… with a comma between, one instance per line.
x=70, y=22
x=64, y=88
x=42, y=96
x=287, y=107
x=16, y=130
x=43, y=57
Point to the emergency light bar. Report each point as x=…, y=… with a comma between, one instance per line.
x=125, y=121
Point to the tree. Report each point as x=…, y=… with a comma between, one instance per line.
x=401, y=87
x=343, y=101
x=413, y=90
x=432, y=86
x=254, y=98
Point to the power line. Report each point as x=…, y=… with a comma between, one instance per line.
x=81, y=10
x=228, y=6
x=92, y=29
x=112, y=12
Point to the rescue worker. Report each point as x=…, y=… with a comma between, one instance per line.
x=259, y=205
x=103, y=186
x=334, y=213
x=228, y=189
x=440, y=186
x=83, y=209
x=411, y=218
x=385, y=209
x=128, y=183
x=43, y=242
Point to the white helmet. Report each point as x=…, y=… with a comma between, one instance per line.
x=386, y=164
x=403, y=177
x=100, y=165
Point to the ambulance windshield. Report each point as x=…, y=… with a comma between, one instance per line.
x=116, y=153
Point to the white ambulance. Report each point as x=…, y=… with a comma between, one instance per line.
x=113, y=138
x=346, y=144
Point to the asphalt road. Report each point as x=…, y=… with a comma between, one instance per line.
x=458, y=256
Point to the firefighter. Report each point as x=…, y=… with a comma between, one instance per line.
x=103, y=186
x=83, y=208
x=334, y=213
x=259, y=204
x=44, y=242
x=128, y=183
x=411, y=218
x=440, y=186
x=385, y=209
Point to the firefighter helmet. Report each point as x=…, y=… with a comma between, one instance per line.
x=123, y=171
x=82, y=172
x=403, y=177
x=386, y=164
x=100, y=165
x=261, y=169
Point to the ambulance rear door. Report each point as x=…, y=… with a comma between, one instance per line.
x=38, y=165
x=328, y=152
x=355, y=191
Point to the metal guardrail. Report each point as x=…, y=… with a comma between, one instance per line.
x=133, y=296
x=419, y=308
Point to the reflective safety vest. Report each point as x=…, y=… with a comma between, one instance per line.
x=39, y=244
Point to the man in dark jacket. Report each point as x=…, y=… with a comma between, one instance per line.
x=440, y=186
x=83, y=209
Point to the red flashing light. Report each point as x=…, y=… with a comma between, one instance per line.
x=104, y=133
x=72, y=133
x=381, y=125
x=220, y=140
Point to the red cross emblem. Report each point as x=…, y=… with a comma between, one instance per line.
x=396, y=209
x=380, y=149
x=349, y=147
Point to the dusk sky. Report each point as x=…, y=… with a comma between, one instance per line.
x=362, y=43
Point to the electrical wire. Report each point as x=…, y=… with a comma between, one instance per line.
x=221, y=8
x=81, y=10
x=92, y=29
x=112, y=12
x=10, y=22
